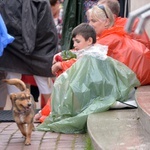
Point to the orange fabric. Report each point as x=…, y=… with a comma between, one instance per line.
x=45, y=111
x=65, y=65
x=143, y=38
x=128, y=51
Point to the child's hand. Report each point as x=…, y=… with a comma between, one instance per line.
x=56, y=67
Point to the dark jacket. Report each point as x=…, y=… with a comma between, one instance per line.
x=73, y=15
x=31, y=23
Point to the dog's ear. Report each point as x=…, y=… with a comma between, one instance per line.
x=13, y=96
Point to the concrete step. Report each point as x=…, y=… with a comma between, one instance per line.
x=124, y=128
x=143, y=101
x=118, y=130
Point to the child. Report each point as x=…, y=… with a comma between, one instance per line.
x=83, y=36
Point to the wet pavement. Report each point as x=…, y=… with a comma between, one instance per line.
x=12, y=139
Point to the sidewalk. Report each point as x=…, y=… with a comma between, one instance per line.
x=11, y=139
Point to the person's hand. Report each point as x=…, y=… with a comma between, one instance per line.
x=56, y=67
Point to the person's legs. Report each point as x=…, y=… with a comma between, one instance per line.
x=45, y=86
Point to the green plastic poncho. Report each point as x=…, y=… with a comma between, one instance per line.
x=91, y=85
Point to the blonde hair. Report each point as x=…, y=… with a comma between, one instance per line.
x=97, y=13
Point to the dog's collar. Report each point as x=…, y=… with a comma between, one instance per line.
x=21, y=113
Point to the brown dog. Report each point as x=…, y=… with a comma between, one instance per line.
x=23, y=108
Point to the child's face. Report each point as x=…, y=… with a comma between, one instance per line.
x=80, y=42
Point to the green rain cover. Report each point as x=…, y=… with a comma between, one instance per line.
x=91, y=85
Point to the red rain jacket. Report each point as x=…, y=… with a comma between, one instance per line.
x=143, y=38
x=125, y=49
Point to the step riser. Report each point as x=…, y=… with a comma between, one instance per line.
x=144, y=119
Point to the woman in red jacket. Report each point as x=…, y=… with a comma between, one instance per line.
x=114, y=6
x=121, y=46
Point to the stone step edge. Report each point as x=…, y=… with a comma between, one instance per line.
x=142, y=97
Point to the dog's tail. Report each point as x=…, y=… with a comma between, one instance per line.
x=17, y=82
